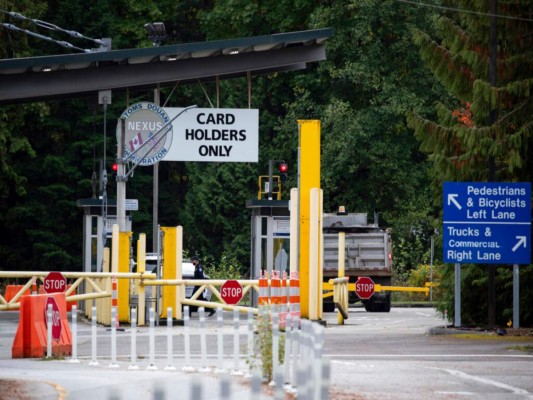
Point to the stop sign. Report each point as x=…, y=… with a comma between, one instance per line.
x=231, y=292
x=364, y=287
x=56, y=318
x=54, y=282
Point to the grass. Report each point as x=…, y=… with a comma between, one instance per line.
x=525, y=349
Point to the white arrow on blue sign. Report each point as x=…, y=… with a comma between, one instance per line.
x=487, y=222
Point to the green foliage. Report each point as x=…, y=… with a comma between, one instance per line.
x=227, y=267
x=485, y=134
x=474, y=287
x=263, y=346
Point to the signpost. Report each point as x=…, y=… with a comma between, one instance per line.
x=487, y=223
x=231, y=292
x=56, y=318
x=364, y=287
x=54, y=282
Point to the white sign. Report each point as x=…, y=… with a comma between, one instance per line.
x=132, y=205
x=214, y=134
x=282, y=226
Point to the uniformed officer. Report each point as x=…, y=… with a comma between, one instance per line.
x=199, y=274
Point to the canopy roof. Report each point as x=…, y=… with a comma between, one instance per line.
x=41, y=78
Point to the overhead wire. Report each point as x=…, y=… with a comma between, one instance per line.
x=462, y=10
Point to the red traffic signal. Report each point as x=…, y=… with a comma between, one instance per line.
x=114, y=168
x=283, y=169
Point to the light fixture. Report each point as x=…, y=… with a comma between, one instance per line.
x=46, y=69
x=156, y=31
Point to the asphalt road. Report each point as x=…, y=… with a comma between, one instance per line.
x=391, y=356
x=373, y=356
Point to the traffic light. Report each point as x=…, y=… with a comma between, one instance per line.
x=283, y=170
x=114, y=170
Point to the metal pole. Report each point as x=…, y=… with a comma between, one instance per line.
x=270, y=168
x=155, y=206
x=431, y=269
x=516, y=296
x=457, y=312
x=121, y=181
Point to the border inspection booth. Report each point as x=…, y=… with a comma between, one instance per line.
x=270, y=237
x=96, y=221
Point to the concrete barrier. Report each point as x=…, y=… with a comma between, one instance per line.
x=31, y=337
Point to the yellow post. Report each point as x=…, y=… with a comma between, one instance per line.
x=141, y=268
x=180, y=290
x=309, y=143
x=123, y=285
x=170, y=260
x=342, y=256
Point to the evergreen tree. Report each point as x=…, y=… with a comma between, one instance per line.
x=486, y=132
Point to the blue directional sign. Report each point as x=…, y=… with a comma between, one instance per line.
x=487, y=223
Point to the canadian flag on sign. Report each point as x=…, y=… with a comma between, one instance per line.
x=136, y=142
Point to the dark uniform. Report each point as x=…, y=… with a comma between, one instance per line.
x=199, y=274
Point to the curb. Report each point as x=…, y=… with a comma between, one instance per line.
x=444, y=330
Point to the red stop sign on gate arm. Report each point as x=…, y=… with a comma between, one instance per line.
x=54, y=282
x=56, y=318
x=364, y=287
x=231, y=292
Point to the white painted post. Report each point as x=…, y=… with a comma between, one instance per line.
x=113, y=338
x=203, y=343
x=326, y=372
x=279, y=392
x=288, y=350
x=296, y=339
x=275, y=348
x=250, y=349
x=220, y=343
x=318, y=340
x=196, y=389
x=187, y=341
x=93, y=337
x=169, y=366
x=151, y=329
x=133, y=347
x=74, y=358
x=255, y=392
x=49, y=331
x=236, y=343
x=225, y=388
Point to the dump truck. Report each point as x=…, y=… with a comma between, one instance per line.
x=368, y=252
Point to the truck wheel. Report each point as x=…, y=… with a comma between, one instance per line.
x=370, y=306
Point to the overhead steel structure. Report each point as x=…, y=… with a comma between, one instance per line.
x=70, y=75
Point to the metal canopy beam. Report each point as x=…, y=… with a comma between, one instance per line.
x=24, y=80
x=37, y=86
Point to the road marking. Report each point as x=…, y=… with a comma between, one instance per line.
x=456, y=393
x=359, y=355
x=485, y=381
x=424, y=314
